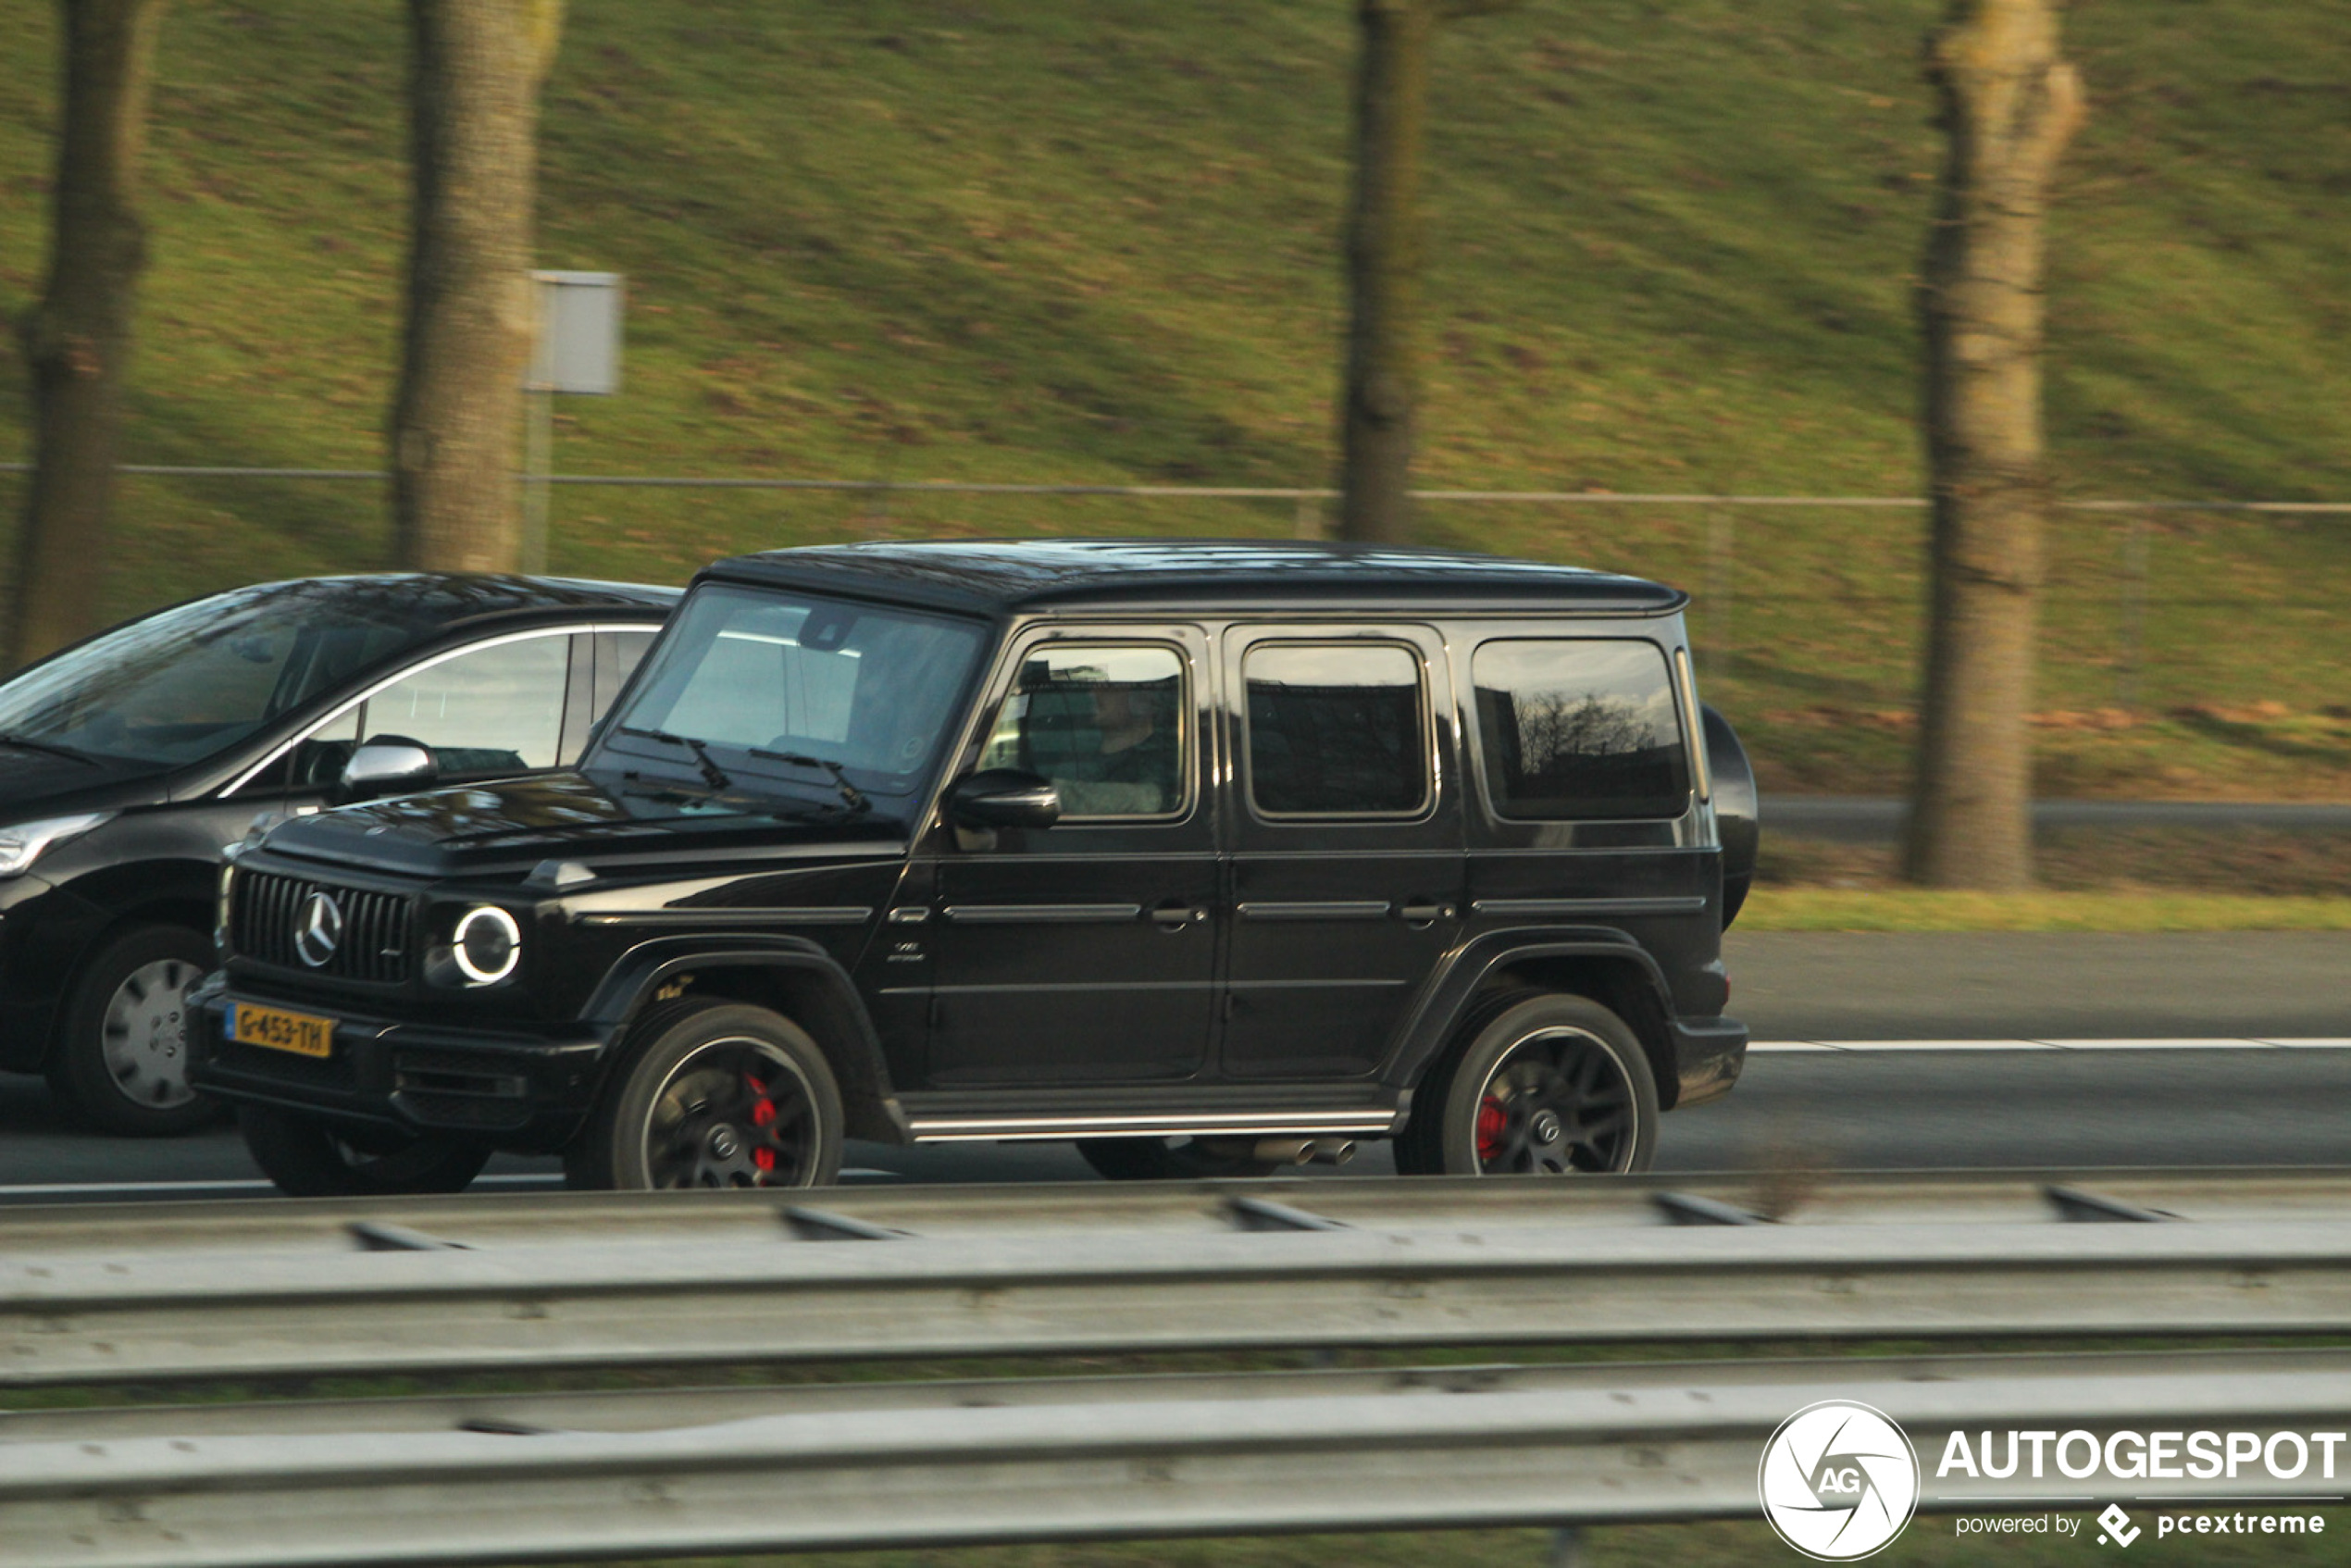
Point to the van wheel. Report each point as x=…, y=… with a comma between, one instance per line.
x=1171, y=1159
x=1549, y=1085
x=308, y=1158
x=712, y=1094
x=122, y=1056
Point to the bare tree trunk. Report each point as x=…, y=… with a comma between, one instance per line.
x=475, y=70
x=2010, y=105
x=1383, y=232
x=78, y=339
x=1384, y=270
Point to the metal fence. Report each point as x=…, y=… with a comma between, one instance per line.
x=2145, y=599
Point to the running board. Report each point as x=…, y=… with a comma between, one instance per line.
x=1368, y=1121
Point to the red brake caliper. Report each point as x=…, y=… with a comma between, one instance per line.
x=762, y=1114
x=1491, y=1120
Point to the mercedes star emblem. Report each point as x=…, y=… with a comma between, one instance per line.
x=318, y=929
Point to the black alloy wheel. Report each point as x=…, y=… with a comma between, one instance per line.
x=1549, y=1085
x=1556, y=1104
x=714, y=1095
x=310, y=1158
x=122, y=1053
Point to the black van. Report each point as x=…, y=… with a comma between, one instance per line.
x=1210, y=856
x=127, y=761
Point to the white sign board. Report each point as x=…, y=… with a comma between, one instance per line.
x=578, y=346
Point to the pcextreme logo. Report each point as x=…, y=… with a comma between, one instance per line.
x=1838, y=1480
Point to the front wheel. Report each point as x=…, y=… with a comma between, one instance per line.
x=308, y=1158
x=713, y=1095
x=1553, y=1085
x=121, y=1055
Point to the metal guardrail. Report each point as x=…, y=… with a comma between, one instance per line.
x=148, y=1294
x=1073, y=1280
x=1224, y=1456
x=492, y=1219
x=98, y=1320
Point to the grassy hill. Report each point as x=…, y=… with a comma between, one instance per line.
x=1671, y=251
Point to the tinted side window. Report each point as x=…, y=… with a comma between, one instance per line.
x=1579, y=730
x=1105, y=724
x=1335, y=730
x=495, y=709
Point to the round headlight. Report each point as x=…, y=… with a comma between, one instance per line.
x=487, y=945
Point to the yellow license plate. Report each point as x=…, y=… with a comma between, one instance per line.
x=281, y=1030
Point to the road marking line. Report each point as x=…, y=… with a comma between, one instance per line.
x=242, y=1184
x=229, y=1183
x=1778, y=1046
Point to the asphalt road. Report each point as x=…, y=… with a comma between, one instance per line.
x=2151, y=1105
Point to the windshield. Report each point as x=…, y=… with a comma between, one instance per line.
x=183, y=683
x=752, y=690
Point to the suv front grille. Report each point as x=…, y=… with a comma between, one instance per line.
x=268, y=915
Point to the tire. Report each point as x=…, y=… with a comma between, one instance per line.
x=1542, y=1084
x=308, y=1158
x=712, y=1094
x=121, y=1054
x=1170, y=1159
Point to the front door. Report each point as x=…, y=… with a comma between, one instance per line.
x=1085, y=953
x=1348, y=865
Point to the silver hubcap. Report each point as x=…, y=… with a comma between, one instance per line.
x=144, y=1034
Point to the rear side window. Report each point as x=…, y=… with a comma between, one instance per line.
x=1579, y=730
x=1335, y=730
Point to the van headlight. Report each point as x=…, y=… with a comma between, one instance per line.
x=486, y=945
x=27, y=841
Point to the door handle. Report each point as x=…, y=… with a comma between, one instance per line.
x=1176, y=916
x=1416, y=914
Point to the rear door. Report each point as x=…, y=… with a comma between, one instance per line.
x=1346, y=833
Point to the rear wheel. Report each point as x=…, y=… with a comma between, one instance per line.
x=121, y=1059
x=1549, y=1085
x=1172, y=1159
x=713, y=1095
x=308, y=1158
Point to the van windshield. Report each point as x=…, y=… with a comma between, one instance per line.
x=182, y=684
x=779, y=693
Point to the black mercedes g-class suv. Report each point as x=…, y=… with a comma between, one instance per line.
x=1210, y=856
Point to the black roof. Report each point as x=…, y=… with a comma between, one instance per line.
x=451, y=598
x=996, y=576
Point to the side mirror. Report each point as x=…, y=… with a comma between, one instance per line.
x=388, y=764
x=1003, y=797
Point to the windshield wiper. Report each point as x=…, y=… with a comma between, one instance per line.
x=712, y=775
x=27, y=743
x=851, y=795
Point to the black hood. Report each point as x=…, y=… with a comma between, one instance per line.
x=508, y=827
x=35, y=784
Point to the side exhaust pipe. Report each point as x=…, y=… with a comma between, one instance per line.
x=1304, y=1151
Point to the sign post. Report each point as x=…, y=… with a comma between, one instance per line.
x=576, y=351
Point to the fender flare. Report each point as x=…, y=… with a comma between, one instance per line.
x=1434, y=1020
x=847, y=1029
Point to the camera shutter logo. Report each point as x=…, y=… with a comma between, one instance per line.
x=1838, y=1480
x=318, y=929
